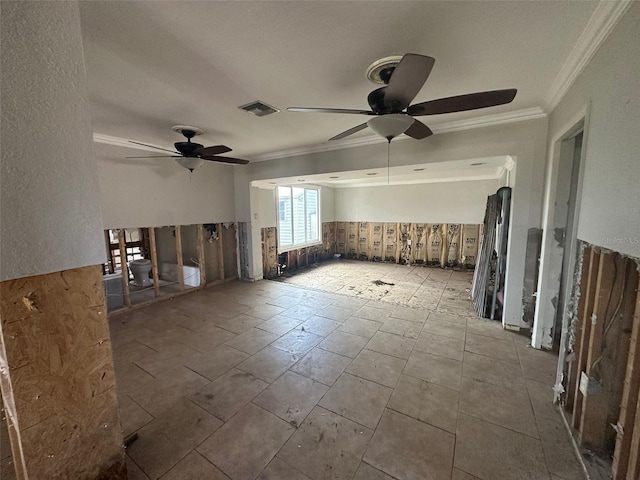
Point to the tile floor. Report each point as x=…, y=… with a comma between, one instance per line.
x=271, y=380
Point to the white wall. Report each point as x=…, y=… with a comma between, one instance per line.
x=156, y=192
x=454, y=202
x=50, y=210
x=610, y=85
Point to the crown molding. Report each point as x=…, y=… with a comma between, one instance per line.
x=604, y=19
x=446, y=127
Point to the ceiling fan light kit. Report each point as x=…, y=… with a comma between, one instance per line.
x=391, y=125
x=403, y=78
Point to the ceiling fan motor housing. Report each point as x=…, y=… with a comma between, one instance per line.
x=378, y=105
x=187, y=149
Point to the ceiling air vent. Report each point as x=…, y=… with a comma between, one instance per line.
x=259, y=109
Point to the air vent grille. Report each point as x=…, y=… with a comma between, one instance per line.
x=259, y=109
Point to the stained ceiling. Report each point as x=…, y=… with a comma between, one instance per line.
x=151, y=65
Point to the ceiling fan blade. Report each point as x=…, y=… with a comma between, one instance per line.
x=418, y=130
x=152, y=146
x=351, y=131
x=216, y=158
x=461, y=103
x=159, y=156
x=329, y=110
x=407, y=79
x=213, y=150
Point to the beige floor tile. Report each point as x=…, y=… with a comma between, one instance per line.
x=541, y=396
x=427, y=402
x=416, y=315
x=229, y=393
x=448, y=347
x=447, y=319
x=265, y=312
x=344, y=343
x=390, y=344
x=166, y=440
x=319, y=326
x=322, y=366
x=132, y=415
x=492, y=370
x=489, y=328
x=167, y=390
x=491, y=347
x=134, y=472
x=326, y=446
x=539, y=366
x=246, y=444
x=280, y=324
x=349, y=302
x=269, y=363
x=284, y=301
x=217, y=362
x=513, y=455
x=207, y=338
x=360, y=326
x=239, y=324
x=297, y=342
x=445, y=329
x=337, y=313
x=558, y=449
x=434, y=369
x=279, y=470
x=291, y=397
x=460, y=475
x=252, y=341
x=301, y=312
x=377, y=367
x=194, y=467
x=371, y=313
x=357, y=399
x=502, y=406
x=367, y=472
x=406, y=448
x=403, y=328
x=167, y=358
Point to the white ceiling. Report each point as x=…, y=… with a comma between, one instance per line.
x=152, y=65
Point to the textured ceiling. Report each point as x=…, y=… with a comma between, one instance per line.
x=152, y=65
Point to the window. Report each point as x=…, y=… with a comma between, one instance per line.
x=298, y=217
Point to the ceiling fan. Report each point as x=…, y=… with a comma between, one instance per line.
x=190, y=154
x=403, y=77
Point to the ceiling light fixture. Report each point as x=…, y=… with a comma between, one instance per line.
x=372, y=173
x=334, y=177
x=418, y=169
x=390, y=125
x=300, y=180
x=476, y=164
x=190, y=163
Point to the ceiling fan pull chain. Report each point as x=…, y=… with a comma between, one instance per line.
x=388, y=161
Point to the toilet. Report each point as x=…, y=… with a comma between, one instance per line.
x=140, y=269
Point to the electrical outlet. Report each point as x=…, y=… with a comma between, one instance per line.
x=589, y=385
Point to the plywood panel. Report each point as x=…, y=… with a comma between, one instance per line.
x=58, y=351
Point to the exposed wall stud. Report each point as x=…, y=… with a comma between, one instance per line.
x=178, y=233
x=154, y=261
x=124, y=268
x=201, y=259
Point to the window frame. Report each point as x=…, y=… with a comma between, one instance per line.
x=298, y=246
